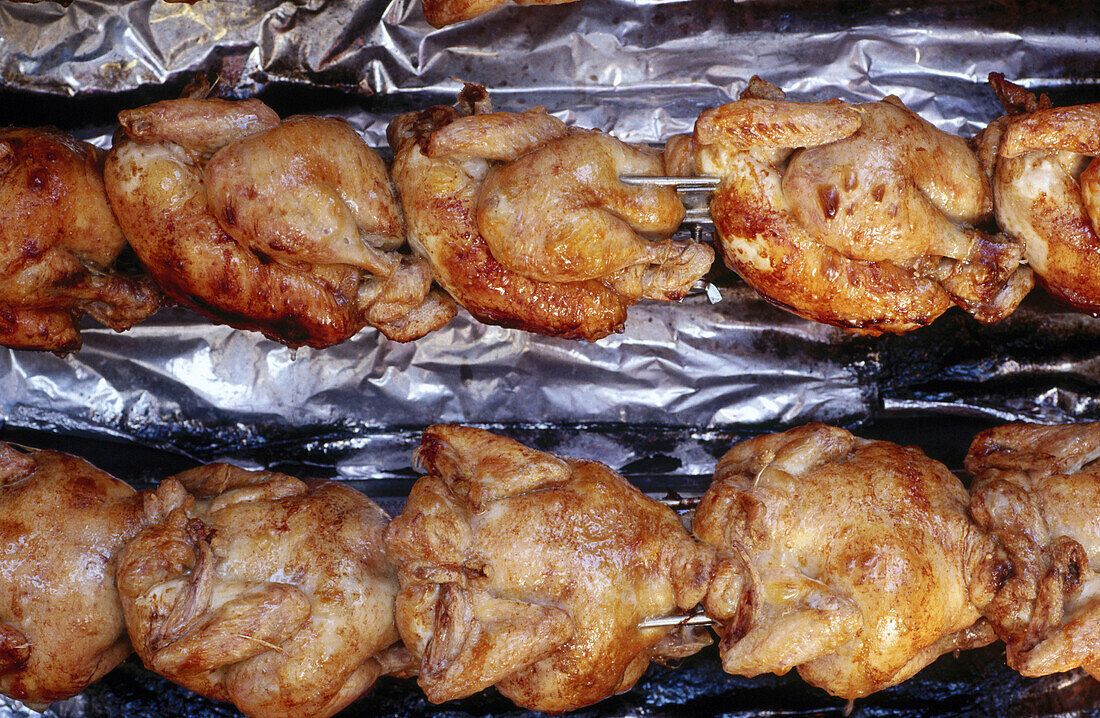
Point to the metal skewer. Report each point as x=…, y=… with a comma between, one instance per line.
x=676, y=502
x=690, y=619
x=698, y=215
x=695, y=215
x=680, y=184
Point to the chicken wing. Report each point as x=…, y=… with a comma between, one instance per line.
x=441, y=13
x=861, y=216
x=289, y=228
x=1046, y=183
x=1037, y=489
x=851, y=560
x=260, y=589
x=62, y=524
x=58, y=244
x=530, y=572
x=526, y=222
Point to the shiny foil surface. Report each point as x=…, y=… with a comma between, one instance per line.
x=660, y=401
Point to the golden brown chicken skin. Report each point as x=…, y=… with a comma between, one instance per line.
x=288, y=228
x=441, y=13
x=264, y=590
x=62, y=524
x=681, y=156
x=853, y=561
x=526, y=222
x=1046, y=183
x=860, y=216
x=530, y=572
x=1037, y=489
x=58, y=243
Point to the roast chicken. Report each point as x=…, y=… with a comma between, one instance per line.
x=531, y=572
x=1037, y=489
x=59, y=244
x=441, y=13
x=862, y=216
x=853, y=561
x=526, y=223
x=264, y=590
x=1046, y=185
x=62, y=524
x=288, y=228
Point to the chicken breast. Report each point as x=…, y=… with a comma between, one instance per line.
x=531, y=572
x=62, y=524
x=527, y=224
x=261, y=589
x=862, y=216
x=59, y=243
x=288, y=228
x=853, y=561
x=1037, y=489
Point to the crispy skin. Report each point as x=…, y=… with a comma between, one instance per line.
x=1037, y=488
x=260, y=589
x=1046, y=183
x=861, y=216
x=680, y=156
x=527, y=225
x=62, y=523
x=530, y=572
x=33, y=328
x=290, y=228
x=58, y=242
x=441, y=13
x=851, y=560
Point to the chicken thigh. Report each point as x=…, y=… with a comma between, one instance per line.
x=1037, y=489
x=1046, y=183
x=58, y=242
x=526, y=222
x=62, y=524
x=531, y=572
x=289, y=228
x=861, y=216
x=260, y=589
x=853, y=561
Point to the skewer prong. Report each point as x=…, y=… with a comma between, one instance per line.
x=691, y=619
x=676, y=502
x=680, y=184
x=698, y=215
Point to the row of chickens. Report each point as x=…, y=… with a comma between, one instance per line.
x=863, y=216
x=857, y=562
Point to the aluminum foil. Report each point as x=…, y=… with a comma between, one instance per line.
x=660, y=401
x=643, y=68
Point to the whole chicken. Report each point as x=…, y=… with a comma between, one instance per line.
x=862, y=216
x=264, y=590
x=526, y=222
x=289, y=228
x=853, y=561
x=1046, y=187
x=62, y=524
x=531, y=572
x=441, y=13
x=1037, y=489
x=59, y=243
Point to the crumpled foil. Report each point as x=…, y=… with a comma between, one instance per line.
x=662, y=400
